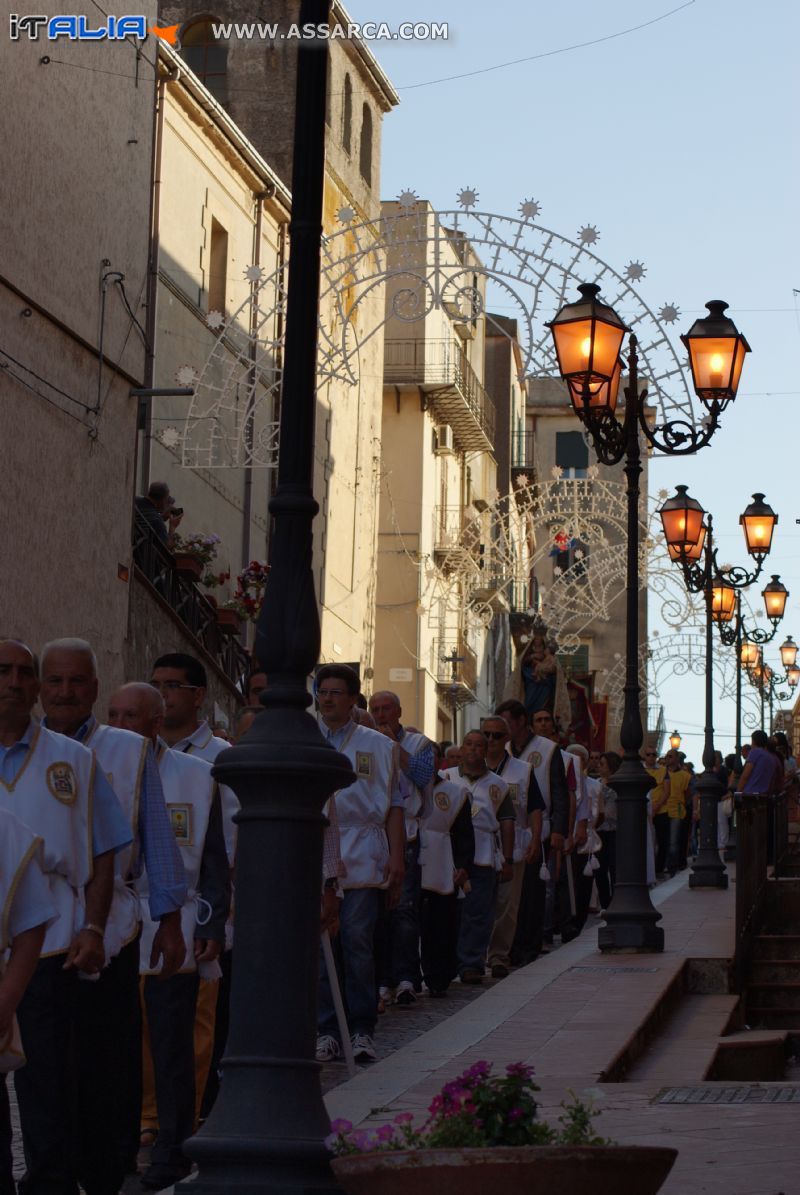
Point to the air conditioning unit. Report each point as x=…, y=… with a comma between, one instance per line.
x=444, y=438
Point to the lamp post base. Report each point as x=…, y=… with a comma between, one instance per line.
x=708, y=870
x=631, y=919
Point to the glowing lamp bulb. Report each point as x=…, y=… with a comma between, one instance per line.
x=586, y=346
x=715, y=366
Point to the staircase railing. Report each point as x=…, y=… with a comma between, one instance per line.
x=751, y=878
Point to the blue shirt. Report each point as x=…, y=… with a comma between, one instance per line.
x=110, y=830
x=420, y=766
x=166, y=875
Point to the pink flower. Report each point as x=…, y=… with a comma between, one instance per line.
x=385, y=1132
x=404, y=1118
x=341, y=1126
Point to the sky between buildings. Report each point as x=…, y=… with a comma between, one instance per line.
x=678, y=142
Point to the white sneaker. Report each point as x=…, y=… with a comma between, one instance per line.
x=405, y=994
x=328, y=1048
x=363, y=1048
x=386, y=995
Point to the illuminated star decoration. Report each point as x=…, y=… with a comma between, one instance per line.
x=592, y=472
x=171, y=437
x=254, y=273
x=467, y=197
x=529, y=209
x=215, y=320
x=407, y=199
x=589, y=235
x=669, y=313
x=186, y=375
x=663, y=494
x=521, y=480
x=556, y=472
x=636, y=271
x=345, y=215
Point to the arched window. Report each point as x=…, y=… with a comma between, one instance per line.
x=207, y=56
x=365, y=149
x=347, y=115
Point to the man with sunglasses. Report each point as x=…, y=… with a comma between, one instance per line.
x=526, y=797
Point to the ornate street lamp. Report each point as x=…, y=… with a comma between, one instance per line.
x=265, y=1134
x=675, y=741
x=722, y=590
x=793, y=675
x=749, y=654
x=716, y=355
x=588, y=336
x=788, y=650
x=775, y=595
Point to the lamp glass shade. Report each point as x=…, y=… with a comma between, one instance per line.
x=793, y=675
x=788, y=650
x=596, y=396
x=775, y=595
x=674, y=740
x=749, y=654
x=716, y=355
x=682, y=520
x=723, y=600
x=758, y=521
x=588, y=338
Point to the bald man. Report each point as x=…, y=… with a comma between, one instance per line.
x=109, y=1011
x=52, y=784
x=193, y=801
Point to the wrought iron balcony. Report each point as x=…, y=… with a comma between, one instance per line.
x=154, y=565
x=522, y=451
x=453, y=390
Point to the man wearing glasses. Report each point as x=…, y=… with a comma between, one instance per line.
x=370, y=814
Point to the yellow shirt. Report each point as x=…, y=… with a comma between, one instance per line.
x=656, y=793
x=678, y=783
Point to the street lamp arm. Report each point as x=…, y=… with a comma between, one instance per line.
x=737, y=576
x=679, y=437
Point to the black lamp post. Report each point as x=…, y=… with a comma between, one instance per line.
x=266, y=1131
x=721, y=588
x=749, y=640
x=588, y=339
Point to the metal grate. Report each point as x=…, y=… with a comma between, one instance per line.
x=728, y=1095
x=616, y=970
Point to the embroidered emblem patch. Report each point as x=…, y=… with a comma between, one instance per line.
x=442, y=801
x=513, y=792
x=364, y=763
x=61, y=782
x=536, y=759
x=494, y=794
x=180, y=817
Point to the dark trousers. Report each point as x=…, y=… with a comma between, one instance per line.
x=530, y=918
x=7, y=1184
x=477, y=918
x=46, y=1086
x=170, y=1006
x=397, y=934
x=221, y=1023
x=108, y=1032
x=606, y=874
x=661, y=826
x=439, y=918
x=583, y=888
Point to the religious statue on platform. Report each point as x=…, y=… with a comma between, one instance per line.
x=538, y=678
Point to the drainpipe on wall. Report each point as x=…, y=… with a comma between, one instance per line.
x=152, y=270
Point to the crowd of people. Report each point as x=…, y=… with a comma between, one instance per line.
x=441, y=862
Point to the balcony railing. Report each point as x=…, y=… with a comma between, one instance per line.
x=155, y=564
x=455, y=392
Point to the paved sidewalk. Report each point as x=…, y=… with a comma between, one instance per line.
x=571, y=1015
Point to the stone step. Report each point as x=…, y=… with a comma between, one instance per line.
x=684, y=1051
x=774, y=995
x=774, y=970
x=773, y=1018
x=781, y=947
x=751, y=1055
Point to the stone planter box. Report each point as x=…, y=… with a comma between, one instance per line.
x=525, y=1170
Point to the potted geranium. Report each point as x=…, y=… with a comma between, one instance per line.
x=193, y=554
x=482, y=1134
x=229, y=616
x=250, y=585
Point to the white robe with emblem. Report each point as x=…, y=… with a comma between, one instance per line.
x=442, y=807
x=362, y=809
x=52, y=795
x=539, y=753
x=486, y=795
x=189, y=791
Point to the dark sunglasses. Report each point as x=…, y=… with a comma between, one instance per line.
x=495, y=734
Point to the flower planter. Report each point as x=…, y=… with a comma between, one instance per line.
x=524, y=1170
x=228, y=621
x=188, y=566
